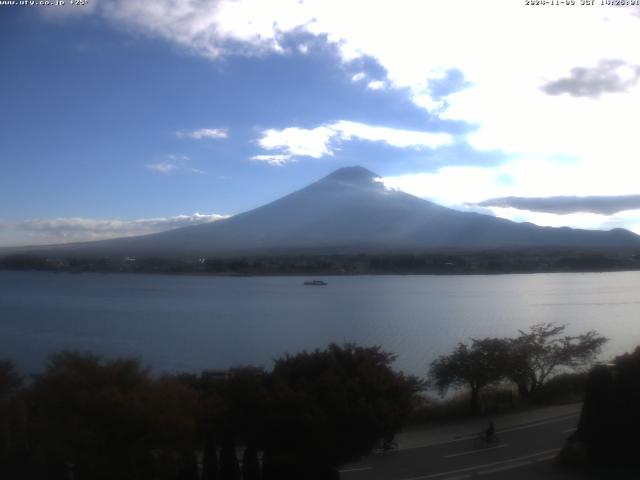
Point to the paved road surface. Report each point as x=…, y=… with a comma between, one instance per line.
x=523, y=451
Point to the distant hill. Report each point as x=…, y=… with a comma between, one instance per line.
x=349, y=211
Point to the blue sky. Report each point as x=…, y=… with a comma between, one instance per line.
x=122, y=118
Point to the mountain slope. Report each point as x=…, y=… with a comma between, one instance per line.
x=350, y=210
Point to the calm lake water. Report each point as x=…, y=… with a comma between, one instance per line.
x=190, y=323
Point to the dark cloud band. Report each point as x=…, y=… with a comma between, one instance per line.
x=592, y=82
x=605, y=205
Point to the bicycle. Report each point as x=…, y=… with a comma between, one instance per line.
x=485, y=441
x=386, y=447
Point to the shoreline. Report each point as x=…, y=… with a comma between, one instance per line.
x=196, y=273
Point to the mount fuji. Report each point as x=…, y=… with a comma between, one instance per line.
x=351, y=211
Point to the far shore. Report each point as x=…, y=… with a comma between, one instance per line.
x=489, y=262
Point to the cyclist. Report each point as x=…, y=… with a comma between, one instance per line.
x=490, y=432
x=389, y=443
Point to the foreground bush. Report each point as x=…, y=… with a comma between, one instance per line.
x=107, y=419
x=563, y=388
x=87, y=418
x=329, y=407
x=610, y=419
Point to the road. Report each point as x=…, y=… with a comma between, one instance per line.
x=521, y=451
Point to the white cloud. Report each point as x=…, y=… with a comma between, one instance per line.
x=391, y=136
x=423, y=41
x=175, y=162
x=376, y=85
x=322, y=141
x=162, y=167
x=454, y=186
x=211, y=133
x=276, y=160
x=178, y=157
x=67, y=230
x=358, y=76
x=449, y=185
x=629, y=219
x=495, y=45
x=209, y=27
x=299, y=141
x=532, y=177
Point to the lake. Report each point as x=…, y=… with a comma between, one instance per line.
x=190, y=323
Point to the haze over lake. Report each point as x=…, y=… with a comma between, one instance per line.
x=190, y=323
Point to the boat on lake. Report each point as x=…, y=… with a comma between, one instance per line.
x=315, y=282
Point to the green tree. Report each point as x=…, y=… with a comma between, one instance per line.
x=483, y=362
x=109, y=419
x=233, y=410
x=210, y=460
x=13, y=429
x=229, y=466
x=542, y=351
x=250, y=463
x=328, y=407
x=610, y=417
x=10, y=380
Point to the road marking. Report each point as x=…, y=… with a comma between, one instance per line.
x=506, y=467
x=485, y=465
x=546, y=458
x=544, y=422
x=569, y=430
x=511, y=466
x=474, y=435
x=355, y=469
x=451, y=455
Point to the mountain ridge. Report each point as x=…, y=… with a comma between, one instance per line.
x=350, y=210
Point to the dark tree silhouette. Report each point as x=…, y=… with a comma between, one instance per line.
x=210, y=459
x=10, y=381
x=245, y=398
x=13, y=443
x=484, y=362
x=229, y=466
x=188, y=465
x=331, y=406
x=109, y=419
x=250, y=463
x=234, y=404
x=610, y=418
x=95, y=419
x=542, y=351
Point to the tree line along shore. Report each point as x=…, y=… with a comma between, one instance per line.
x=456, y=262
